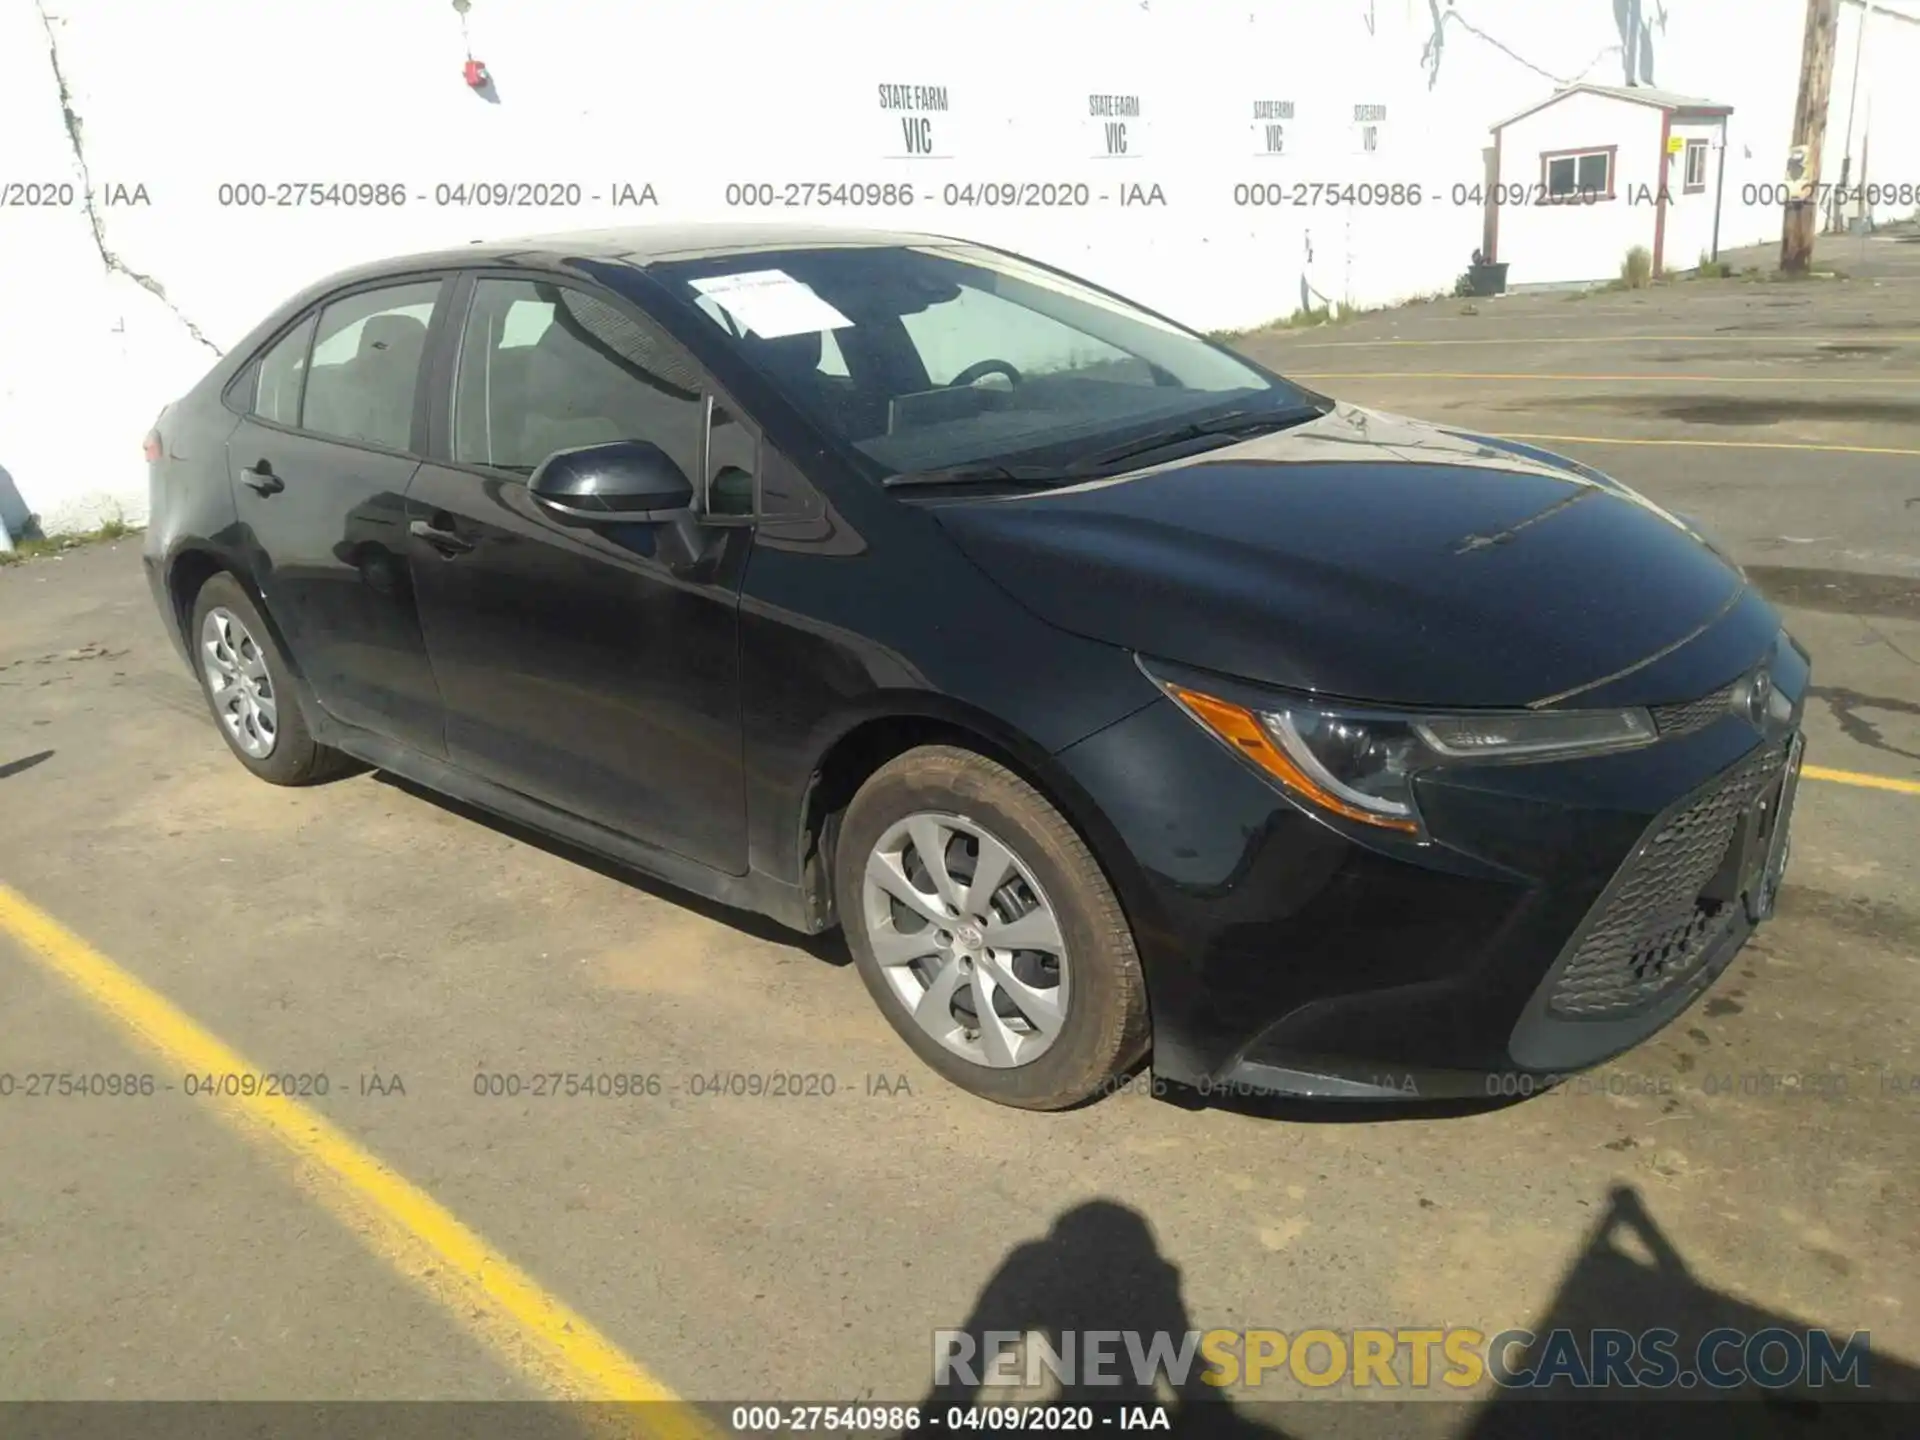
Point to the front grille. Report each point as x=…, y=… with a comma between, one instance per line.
x=1691, y=715
x=1654, y=929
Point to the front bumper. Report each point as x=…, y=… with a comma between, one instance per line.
x=1562, y=912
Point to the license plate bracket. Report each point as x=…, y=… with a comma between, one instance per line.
x=1749, y=873
x=1767, y=862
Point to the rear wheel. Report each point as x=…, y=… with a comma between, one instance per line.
x=246, y=681
x=986, y=931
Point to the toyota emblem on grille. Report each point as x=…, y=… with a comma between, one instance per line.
x=1752, y=698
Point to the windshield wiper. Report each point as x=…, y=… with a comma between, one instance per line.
x=986, y=472
x=982, y=473
x=1233, y=423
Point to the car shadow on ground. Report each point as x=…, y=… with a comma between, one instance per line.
x=1100, y=1268
x=1297, y=1110
x=830, y=948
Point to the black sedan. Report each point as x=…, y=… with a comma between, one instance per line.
x=1120, y=699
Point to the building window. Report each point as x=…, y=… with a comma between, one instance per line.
x=1578, y=174
x=1696, y=165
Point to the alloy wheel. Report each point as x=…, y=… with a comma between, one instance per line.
x=239, y=684
x=966, y=939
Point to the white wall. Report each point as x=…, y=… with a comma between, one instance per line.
x=1876, y=99
x=181, y=98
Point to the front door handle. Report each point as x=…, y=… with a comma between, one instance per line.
x=260, y=477
x=447, y=542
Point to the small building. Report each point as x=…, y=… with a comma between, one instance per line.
x=1580, y=178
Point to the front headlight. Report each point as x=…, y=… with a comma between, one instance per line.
x=1359, y=762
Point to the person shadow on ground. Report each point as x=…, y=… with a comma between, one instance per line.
x=1098, y=1268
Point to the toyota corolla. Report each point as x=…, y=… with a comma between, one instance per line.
x=1122, y=701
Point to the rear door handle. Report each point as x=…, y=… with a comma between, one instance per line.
x=446, y=542
x=262, y=479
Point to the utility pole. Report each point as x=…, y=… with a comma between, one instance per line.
x=1810, y=133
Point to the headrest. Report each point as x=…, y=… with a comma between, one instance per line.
x=394, y=335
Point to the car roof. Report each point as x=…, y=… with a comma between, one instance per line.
x=644, y=245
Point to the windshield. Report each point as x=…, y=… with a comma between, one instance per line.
x=924, y=357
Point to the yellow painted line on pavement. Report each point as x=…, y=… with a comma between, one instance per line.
x=1860, y=778
x=1713, y=444
x=1610, y=340
x=1912, y=381
x=492, y=1298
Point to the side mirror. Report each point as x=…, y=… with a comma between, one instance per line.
x=625, y=482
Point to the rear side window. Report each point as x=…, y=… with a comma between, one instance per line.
x=276, y=387
x=365, y=368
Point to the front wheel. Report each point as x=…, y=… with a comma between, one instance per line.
x=987, y=933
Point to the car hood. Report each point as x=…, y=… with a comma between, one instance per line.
x=1366, y=556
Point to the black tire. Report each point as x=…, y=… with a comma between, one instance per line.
x=1106, y=1030
x=296, y=758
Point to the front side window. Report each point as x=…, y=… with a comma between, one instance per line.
x=365, y=368
x=545, y=367
x=1582, y=175
x=277, y=378
x=924, y=356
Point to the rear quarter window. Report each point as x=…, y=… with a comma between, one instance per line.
x=278, y=377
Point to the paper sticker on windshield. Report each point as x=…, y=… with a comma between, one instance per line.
x=771, y=303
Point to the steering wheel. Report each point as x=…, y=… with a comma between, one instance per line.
x=980, y=369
